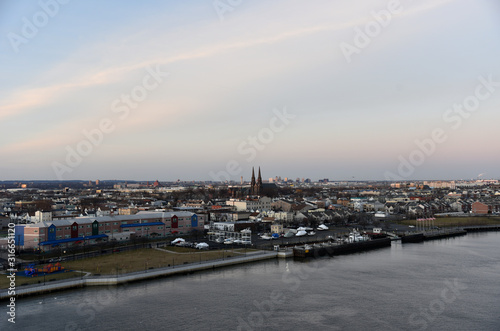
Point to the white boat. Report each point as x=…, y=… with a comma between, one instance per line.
x=312, y=233
x=322, y=227
x=228, y=241
x=177, y=241
x=356, y=237
x=300, y=233
x=201, y=246
x=266, y=237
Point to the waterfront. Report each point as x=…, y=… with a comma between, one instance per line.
x=437, y=285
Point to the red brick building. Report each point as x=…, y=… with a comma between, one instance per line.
x=485, y=208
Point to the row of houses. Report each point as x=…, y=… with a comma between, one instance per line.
x=422, y=208
x=285, y=210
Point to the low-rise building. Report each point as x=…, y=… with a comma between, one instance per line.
x=485, y=207
x=42, y=216
x=277, y=228
x=251, y=204
x=91, y=230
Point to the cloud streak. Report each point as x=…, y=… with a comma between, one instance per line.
x=25, y=100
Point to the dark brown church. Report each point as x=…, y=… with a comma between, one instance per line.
x=256, y=186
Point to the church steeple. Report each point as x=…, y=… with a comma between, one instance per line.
x=252, y=183
x=256, y=186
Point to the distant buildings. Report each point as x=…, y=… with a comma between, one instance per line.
x=62, y=217
x=441, y=184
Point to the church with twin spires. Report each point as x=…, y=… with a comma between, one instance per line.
x=256, y=186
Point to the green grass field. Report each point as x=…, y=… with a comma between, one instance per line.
x=459, y=221
x=130, y=261
x=22, y=280
x=180, y=249
x=146, y=258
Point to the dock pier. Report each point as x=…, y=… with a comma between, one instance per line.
x=480, y=228
x=431, y=235
x=333, y=249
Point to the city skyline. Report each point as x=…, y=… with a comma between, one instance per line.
x=385, y=90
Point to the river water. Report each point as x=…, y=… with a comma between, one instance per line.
x=450, y=284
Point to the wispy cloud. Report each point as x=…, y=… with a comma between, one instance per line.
x=25, y=100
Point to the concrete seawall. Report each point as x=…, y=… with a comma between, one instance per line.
x=136, y=276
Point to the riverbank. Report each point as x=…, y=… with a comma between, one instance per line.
x=137, y=276
x=151, y=273
x=125, y=262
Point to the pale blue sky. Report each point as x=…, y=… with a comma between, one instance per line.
x=352, y=119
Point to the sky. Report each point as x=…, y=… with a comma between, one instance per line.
x=206, y=90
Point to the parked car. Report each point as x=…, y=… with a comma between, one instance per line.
x=184, y=244
x=58, y=259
